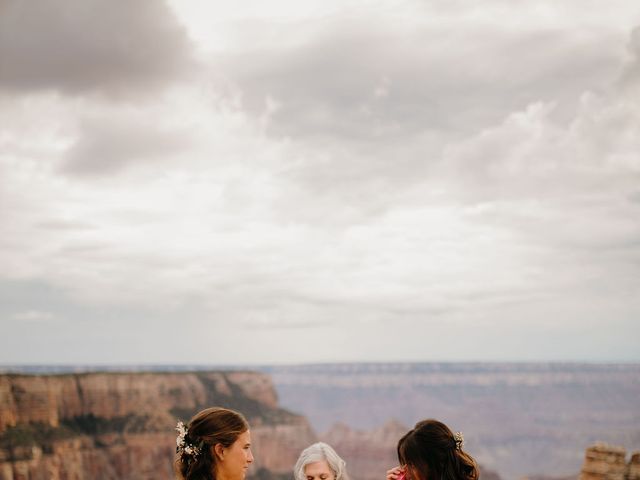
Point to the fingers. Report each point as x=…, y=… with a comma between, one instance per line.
x=395, y=473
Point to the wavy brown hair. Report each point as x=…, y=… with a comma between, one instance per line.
x=208, y=428
x=430, y=452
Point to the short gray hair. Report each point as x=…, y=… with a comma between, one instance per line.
x=316, y=453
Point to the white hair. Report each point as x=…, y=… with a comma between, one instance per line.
x=316, y=453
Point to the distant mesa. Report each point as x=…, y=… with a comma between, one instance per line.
x=518, y=419
x=120, y=425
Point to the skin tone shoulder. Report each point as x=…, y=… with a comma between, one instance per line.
x=233, y=461
x=319, y=471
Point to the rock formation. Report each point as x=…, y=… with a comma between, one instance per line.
x=513, y=415
x=633, y=468
x=120, y=426
x=607, y=462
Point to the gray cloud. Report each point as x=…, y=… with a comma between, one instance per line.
x=92, y=45
x=631, y=76
x=365, y=83
x=62, y=225
x=109, y=145
x=33, y=316
x=456, y=173
x=374, y=108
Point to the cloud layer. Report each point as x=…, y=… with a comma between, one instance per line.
x=89, y=47
x=349, y=185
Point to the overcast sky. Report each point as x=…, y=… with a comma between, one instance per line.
x=285, y=182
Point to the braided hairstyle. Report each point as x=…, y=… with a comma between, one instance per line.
x=205, y=430
x=432, y=452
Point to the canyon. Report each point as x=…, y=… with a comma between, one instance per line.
x=518, y=419
x=532, y=421
x=120, y=426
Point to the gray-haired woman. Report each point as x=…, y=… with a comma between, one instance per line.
x=320, y=462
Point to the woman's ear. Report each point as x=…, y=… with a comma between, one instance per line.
x=219, y=451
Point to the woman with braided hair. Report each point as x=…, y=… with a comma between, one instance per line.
x=431, y=451
x=215, y=445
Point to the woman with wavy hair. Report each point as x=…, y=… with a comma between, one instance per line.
x=431, y=451
x=215, y=445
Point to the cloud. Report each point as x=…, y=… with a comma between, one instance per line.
x=361, y=94
x=33, y=316
x=90, y=46
x=233, y=220
x=362, y=81
x=531, y=152
x=109, y=144
x=631, y=76
x=63, y=225
x=457, y=176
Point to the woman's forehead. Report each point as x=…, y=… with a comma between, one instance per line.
x=321, y=466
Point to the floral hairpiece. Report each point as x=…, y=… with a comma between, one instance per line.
x=184, y=443
x=459, y=440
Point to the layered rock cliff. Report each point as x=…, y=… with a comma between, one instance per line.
x=120, y=426
x=513, y=415
x=607, y=462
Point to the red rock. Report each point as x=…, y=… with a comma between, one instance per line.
x=138, y=410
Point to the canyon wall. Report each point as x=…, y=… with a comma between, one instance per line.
x=607, y=462
x=121, y=426
x=512, y=415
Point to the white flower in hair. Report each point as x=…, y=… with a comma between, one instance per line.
x=183, y=443
x=182, y=432
x=459, y=440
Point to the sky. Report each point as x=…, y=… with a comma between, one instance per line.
x=297, y=181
